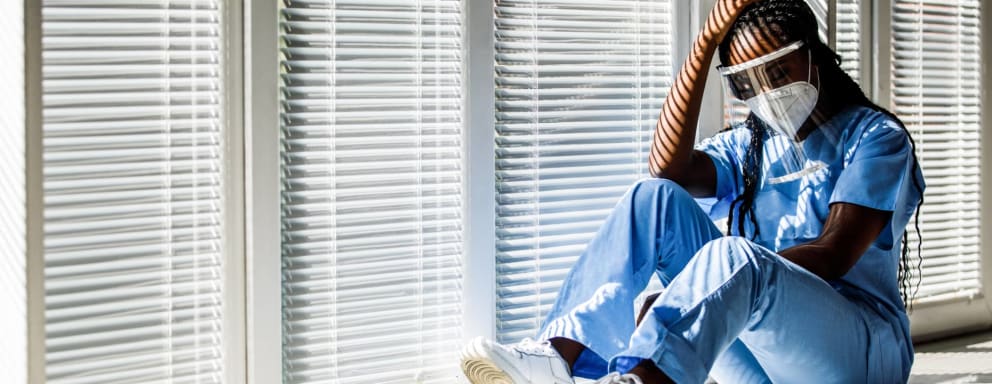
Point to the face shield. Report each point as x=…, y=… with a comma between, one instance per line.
x=777, y=89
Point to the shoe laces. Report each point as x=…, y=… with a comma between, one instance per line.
x=534, y=347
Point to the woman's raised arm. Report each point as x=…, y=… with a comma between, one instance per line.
x=672, y=155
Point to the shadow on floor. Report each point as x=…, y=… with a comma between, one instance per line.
x=966, y=359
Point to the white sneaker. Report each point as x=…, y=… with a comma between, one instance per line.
x=529, y=362
x=616, y=378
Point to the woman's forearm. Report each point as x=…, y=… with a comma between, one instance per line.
x=675, y=133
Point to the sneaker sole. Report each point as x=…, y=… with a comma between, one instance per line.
x=480, y=367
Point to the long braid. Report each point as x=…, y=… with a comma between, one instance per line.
x=793, y=20
x=752, y=179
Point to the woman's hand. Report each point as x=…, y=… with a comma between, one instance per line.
x=722, y=17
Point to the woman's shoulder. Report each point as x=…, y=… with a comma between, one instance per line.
x=861, y=124
x=734, y=136
x=875, y=133
x=867, y=119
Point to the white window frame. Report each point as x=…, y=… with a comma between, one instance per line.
x=479, y=263
x=235, y=263
x=262, y=192
x=34, y=166
x=986, y=137
x=711, y=114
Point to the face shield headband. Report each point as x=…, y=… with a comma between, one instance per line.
x=774, y=70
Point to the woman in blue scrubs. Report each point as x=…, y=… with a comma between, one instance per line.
x=818, y=185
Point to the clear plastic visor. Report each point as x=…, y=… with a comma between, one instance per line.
x=782, y=79
x=774, y=70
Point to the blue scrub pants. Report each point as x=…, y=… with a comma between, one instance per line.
x=731, y=309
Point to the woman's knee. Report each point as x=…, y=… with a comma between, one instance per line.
x=735, y=250
x=651, y=190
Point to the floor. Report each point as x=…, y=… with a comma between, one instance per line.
x=961, y=360
x=966, y=359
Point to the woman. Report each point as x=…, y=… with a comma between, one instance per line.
x=818, y=183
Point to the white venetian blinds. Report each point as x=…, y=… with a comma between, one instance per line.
x=579, y=85
x=371, y=190
x=936, y=89
x=132, y=190
x=848, y=34
x=821, y=9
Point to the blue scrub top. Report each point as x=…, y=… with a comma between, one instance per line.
x=869, y=162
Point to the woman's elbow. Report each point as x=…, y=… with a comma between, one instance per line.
x=655, y=173
x=677, y=177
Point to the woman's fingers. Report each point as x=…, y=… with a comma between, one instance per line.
x=722, y=16
x=743, y=3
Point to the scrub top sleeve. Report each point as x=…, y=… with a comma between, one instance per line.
x=725, y=151
x=877, y=169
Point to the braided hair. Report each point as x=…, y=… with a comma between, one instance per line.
x=791, y=21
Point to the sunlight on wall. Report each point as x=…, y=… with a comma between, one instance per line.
x=13, y=322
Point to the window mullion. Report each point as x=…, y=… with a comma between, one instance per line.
x=986, y=152
x=866, y=50
x=235, y=278
x=34, y=193
x=480, y=181
x=262, y=193
x=881, y=74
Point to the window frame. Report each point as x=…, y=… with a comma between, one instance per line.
x=235, y=288
x=986, y=153
x=34, y=166
x=479, y=188
x=262, y=193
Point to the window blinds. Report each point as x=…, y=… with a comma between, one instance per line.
x=371, y=201
x=821, y=9
x=579, y=85
x=936, y=89
x=13, y=221
x=133, y=206
x=848, y=44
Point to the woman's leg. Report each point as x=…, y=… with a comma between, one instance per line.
x=735, y=365
x=739, y=366
x=795, y=324
x=656, y=227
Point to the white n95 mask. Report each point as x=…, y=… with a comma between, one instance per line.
x=785, y=109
